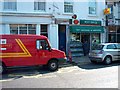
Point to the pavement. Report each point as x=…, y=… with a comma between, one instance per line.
x=80, y=60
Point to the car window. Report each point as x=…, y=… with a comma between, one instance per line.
x=111, y=46
x=118, y=46
x=98, y=47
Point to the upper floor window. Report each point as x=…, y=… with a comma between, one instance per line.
x=39, y=5
x=68, y=6
x=92, y=7
x=10, y=5
x=110, y=16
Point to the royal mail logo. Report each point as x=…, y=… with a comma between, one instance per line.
x=24, y=53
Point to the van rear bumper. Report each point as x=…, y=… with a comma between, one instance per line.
x=62, y=60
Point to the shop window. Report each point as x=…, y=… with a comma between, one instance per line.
x=112, y=29
x=75, y=36
x=44, y=30
x=10, y=5
x=22, y=29
x=68, y=7
x=114, y=34
x=14, y=29
x=118, y=30
x=112, y=37
x=92, y=7
x=118, y=38
x=96, y=37
x=32, y=29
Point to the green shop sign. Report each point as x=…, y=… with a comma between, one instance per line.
x=86, y=29
x=90, y=22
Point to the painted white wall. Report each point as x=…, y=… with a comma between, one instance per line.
x=26, y=20
x=53, y=35
x=1, y=29
x=38, y=29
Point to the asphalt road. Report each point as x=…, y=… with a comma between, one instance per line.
x=87, y=75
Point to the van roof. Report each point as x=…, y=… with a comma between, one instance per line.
x=23, y=36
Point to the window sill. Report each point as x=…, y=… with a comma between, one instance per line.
x=90, y=15
x=68, y=14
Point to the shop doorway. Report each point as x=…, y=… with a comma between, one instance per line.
x=85, y=37
x=62, y=37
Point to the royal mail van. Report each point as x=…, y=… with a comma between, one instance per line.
x=28, y=50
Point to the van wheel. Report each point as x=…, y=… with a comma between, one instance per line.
x=2, y=68
x=108, y=60
x=53, y=65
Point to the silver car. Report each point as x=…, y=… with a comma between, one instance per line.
x=105, y=52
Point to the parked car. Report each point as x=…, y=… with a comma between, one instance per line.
x=105, y=52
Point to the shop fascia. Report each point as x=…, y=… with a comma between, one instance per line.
x=87, y=26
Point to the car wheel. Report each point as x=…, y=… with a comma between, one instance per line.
x=108, y=60
x=53, y=65
x=2, y=68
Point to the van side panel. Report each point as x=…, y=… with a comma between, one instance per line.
x=19, y=51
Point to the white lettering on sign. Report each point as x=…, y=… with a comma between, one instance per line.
x=3, y=41
x=2, y=48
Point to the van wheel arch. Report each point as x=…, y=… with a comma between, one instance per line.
x=108, y=60
x=52, y=64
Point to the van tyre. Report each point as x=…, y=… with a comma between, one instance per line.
x=2, y=68
x=53, y=65
x=108, y=60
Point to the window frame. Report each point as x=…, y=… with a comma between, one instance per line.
x=111, y=45
x=37, y=8
x=8, y=5
x=70, y=4
x=18, y=30
x=42, y=32
x=40, y=47
x=91, y=6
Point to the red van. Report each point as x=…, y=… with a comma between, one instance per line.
x=28, y=50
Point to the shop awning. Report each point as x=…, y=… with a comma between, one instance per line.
x=86, y=29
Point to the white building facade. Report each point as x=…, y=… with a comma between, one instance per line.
x=50, y=18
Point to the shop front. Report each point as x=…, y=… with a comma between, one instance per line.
x=114, y=34
x=86, y=33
